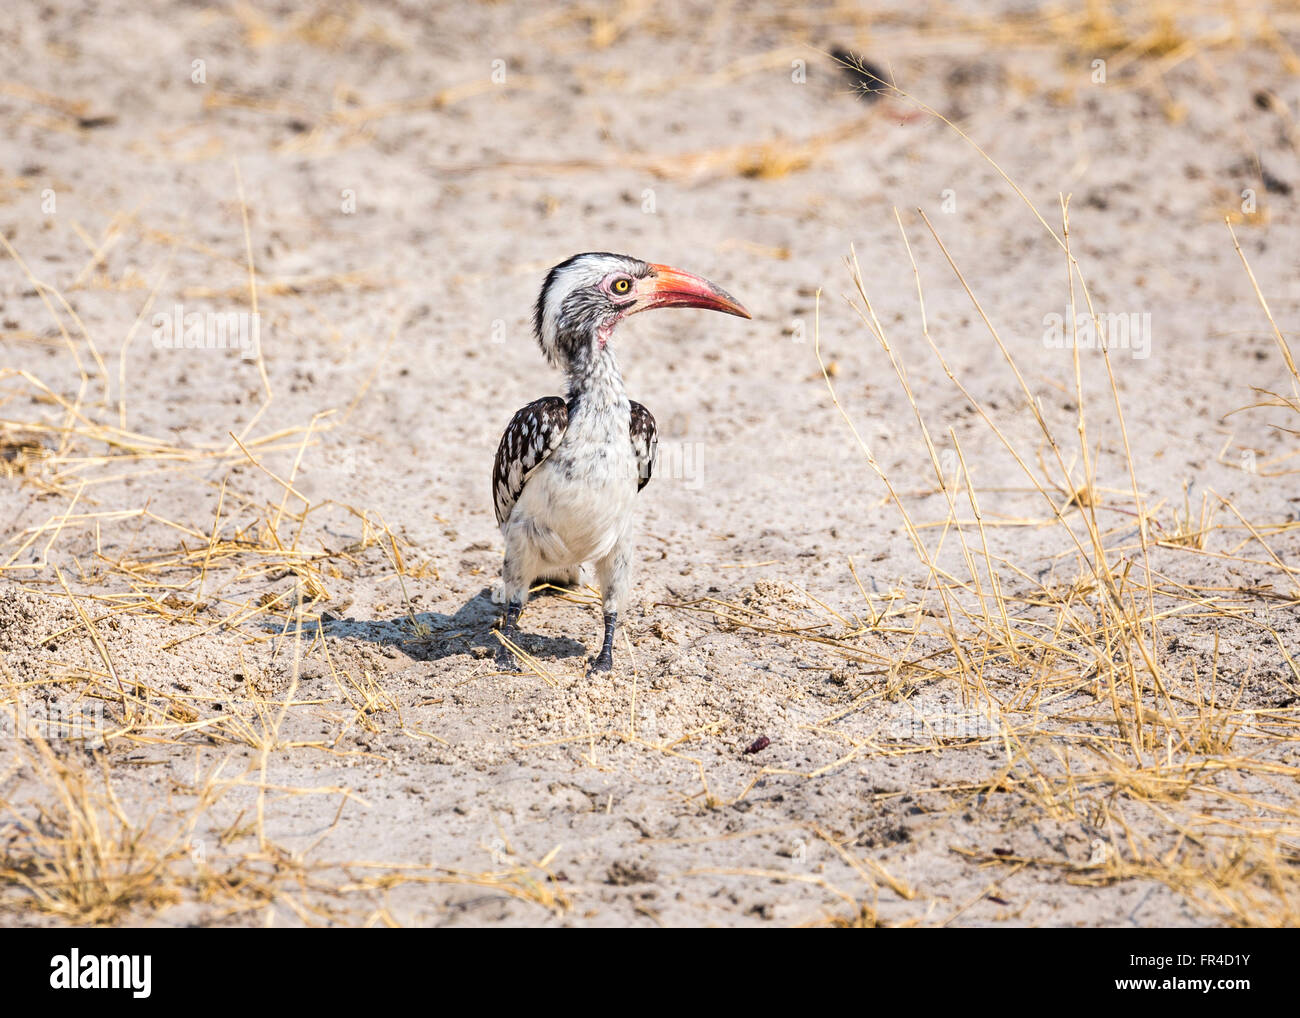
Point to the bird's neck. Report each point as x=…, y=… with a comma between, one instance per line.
x=595, y=383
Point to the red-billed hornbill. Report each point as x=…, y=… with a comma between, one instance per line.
x=568, y=470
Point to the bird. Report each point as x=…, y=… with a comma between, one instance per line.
x=568, y=468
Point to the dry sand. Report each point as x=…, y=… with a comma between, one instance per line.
x=323, y=755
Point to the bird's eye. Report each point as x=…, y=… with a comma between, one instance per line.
x=621, y=286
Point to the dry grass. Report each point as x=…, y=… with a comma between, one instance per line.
x=78, y=855
x=1101, y=721
x=72, y=852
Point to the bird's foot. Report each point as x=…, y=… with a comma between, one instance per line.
x=603, y=662
x=506, y=660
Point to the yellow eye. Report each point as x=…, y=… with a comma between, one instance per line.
x=621, y=286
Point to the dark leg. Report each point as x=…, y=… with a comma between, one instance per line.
x=506, y=659
x=605, y=661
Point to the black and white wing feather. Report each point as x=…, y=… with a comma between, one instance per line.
x=645, y=437
x=532, y=435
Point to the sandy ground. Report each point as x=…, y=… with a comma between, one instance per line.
x=403, y=203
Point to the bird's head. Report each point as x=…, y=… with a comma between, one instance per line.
x=585, y=297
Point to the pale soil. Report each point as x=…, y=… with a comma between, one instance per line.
x=410, y=318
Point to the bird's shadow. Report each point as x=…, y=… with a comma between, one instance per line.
x=469, y=631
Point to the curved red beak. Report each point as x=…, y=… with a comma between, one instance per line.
x=673, y=288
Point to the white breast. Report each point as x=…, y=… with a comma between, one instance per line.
x=578, y=503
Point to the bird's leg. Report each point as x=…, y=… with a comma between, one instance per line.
x=605, y=660
x=615, y=574
x=516, y=576
x=506, y=659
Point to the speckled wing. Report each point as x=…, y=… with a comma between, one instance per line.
x=532, y=435
x=644, y=439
